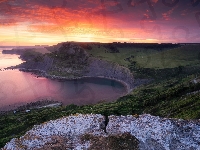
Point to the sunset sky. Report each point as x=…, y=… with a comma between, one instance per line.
x=33, y=22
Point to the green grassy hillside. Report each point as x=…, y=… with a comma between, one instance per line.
x=182, y=56
x=151, y=58
x=121, y=56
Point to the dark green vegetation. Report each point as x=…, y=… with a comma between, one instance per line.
x=31, y=54
x=173, y=91
x=69, y=60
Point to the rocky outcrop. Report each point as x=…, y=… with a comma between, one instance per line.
x=82, y=131
x=69, y=129
x=155, y=133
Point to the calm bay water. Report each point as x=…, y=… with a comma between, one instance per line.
x=17, y=88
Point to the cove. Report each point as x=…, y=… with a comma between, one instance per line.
x=18, y=88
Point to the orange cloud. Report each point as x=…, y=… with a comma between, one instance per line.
x=108, y=20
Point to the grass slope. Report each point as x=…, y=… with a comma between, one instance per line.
x=150, y=58
x=121, y=56
x=182, y=56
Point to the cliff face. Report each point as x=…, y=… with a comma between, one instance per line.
x=103, y=68
x=84, y=131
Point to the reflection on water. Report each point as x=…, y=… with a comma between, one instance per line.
x=9, y=60
x=18, y=88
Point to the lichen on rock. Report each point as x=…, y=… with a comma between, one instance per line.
x=123, y=132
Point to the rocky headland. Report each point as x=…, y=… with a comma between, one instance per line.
x=70, y=61
x=14, y=51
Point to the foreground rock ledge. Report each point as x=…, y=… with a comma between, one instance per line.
x=79, y=131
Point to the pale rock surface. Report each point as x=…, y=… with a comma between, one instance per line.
x=153, y=133
x=71, y=127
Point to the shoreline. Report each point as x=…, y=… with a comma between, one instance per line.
x=42, y=73
x=40, y=103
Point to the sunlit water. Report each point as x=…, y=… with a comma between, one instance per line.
x=17, y=88
x=8, y=60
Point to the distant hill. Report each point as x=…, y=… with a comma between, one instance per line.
x=41, y=50
x=20, y=51
x=181, y=56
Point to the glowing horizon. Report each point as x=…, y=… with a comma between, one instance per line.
x=27, y=23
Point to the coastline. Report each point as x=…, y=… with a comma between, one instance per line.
x=110, y=71
x=40, y=103
x=42, y=73
x=113, y=73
